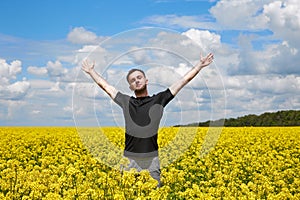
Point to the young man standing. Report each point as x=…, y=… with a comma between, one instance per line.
x=143, y=113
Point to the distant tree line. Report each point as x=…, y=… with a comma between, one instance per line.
x=280, y=118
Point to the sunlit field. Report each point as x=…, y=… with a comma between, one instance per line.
x=246, y=163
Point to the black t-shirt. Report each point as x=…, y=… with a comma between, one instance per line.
x=142, y=117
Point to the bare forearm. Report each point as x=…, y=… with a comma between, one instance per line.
x=103, y=84
x=192, y=73
x=97, y=78
x=176, y=87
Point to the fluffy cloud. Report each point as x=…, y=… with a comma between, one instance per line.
x=242, y=14
x=206, y=40
x=281, y=17
x=38, y=71
x=9, y=89
x=52, y=69
x=164, y=48
x=260, y=93
x=14, y=91
x=9, y=71
x=278, y=58
x=81, y=36
x=265, y=84
x=284, y=20
x=56, y=69
x=285, y=59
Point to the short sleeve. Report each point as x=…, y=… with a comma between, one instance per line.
x=121, y=99
x=165, y=97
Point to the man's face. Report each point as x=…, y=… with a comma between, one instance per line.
x=137, y=81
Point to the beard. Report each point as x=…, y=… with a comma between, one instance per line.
x=141, y=90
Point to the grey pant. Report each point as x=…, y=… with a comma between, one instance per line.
x=149, y=163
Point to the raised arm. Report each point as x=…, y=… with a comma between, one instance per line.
x=204, y=61
x=89, y=69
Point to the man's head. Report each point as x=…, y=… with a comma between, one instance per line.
x=137, y=80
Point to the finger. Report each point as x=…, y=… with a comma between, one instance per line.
x=210, y=56
x=84, y=62
x=87, y=62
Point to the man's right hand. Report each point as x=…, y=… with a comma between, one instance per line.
x=87, y=67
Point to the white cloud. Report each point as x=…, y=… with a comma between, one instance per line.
x=89, y=48
x=19, y=87
x=87, y=90
x=80, y=35
x=285, y=59
x=167, y=48
x=41, y=84
x=14, y=91
x=261, y=93
x=278, y=58
x=164, y=76
x=35, y=112
x=265, y=84
x=56, y=88
x=56, y=69
x=139, y=56
x=175, y=21
x=9, y=71
x=44, y=103
x=281, y=17
x=38, y=71
x=9, y=89
x=284, y=20
x=206, y=40
x=52, y=69
x=241, y=15
x=46, y=94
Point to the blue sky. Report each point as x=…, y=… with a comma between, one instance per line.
x=42, y=45
x=51, y=20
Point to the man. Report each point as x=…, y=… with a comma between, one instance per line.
x=143, y=113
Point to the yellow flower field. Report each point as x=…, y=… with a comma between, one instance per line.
x=67, y=163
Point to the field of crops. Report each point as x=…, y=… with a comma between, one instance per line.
x=59, y=163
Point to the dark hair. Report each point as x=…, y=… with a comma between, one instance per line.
x=133, y=70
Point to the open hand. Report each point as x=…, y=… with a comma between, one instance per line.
x=87, y=67
x=205, y=61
